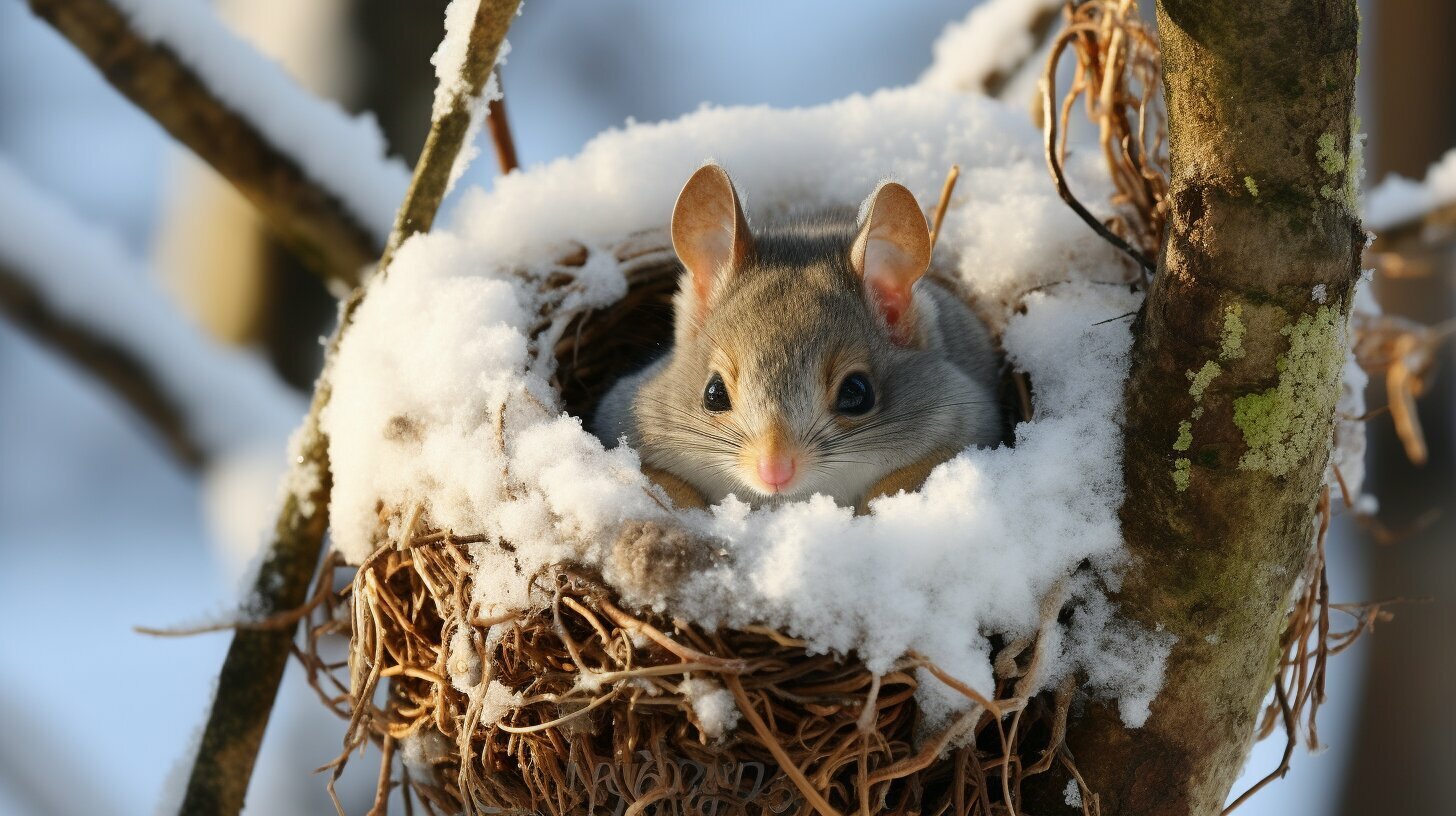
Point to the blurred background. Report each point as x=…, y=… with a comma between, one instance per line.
x=101, y=529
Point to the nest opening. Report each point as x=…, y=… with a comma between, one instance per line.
x=600, y=346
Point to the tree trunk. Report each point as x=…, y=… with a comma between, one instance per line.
x=1235, y=372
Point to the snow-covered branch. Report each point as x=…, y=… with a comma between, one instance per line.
x=1402, y=211
x=248, y=683
x=998, y=49
x=319, y=176
x=475, y=31
x=78, y=291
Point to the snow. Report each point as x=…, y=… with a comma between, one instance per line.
x=439, y=402
x=713, y=706
x=449, y=58
x=1398, y=199
x=995, y=38
x=1347, y=455
x=227, y=398
x=1072, y=794
x=346, y=155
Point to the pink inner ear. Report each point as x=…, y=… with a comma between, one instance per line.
x=892, y=301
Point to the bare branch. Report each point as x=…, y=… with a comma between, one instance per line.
x=127, y=376
x=309, y=219
x=76, y=289
x=254, y=666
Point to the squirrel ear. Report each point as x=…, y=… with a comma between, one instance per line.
x=709, y=231
x=891, y=251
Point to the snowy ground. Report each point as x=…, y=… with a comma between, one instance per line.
x=101, y=532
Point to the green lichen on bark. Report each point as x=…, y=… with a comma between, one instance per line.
x=1348, y=166
x=1232, y=345
x=1185, y=436
x=1182, y=474
x=1198, y=382
x=1331, y=158
x=1283, y=425
x=1252, y=186
x=1201, y=379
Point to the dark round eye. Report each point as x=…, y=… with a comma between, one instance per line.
x=855, y=396
x=715, y=396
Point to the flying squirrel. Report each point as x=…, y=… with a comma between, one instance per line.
x=809, y=356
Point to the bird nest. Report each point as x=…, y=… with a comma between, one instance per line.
x=580, y=704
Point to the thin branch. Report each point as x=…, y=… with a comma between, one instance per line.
x=500, y=133
x=124, y=373
x=309, y=219
x=254, y=666
x=944, y=204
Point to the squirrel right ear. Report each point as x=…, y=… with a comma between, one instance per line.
x=890, y=254
x=709, y=232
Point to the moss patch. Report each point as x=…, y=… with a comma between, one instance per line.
x=1283, y=425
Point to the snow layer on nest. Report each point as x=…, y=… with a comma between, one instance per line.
x=437, y=404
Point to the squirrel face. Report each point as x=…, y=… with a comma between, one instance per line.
x=790, y=382
x=803, y=362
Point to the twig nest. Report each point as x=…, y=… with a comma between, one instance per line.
x=612, y=631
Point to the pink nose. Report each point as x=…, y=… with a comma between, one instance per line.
x=776, y=471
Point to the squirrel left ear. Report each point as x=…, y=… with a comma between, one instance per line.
x=891, y=252
x=709, y=233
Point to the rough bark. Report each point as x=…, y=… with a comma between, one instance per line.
x=253, y=668
x=248, y=684
x=1235, y=372
x=309, y=219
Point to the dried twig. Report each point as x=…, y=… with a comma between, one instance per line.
x=944, y=203
x=1405, y=352
x=500, y=132
x=1118, y=70
x=307, y=217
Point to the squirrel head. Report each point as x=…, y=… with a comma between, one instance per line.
x=798, y=352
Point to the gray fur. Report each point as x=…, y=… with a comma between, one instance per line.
x=795, y=307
